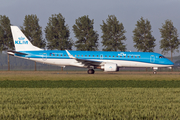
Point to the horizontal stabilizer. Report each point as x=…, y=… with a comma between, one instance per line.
x=15, y=52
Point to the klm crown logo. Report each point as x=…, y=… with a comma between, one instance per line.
x=122, y=54
x=21, y=41
x=21, y=38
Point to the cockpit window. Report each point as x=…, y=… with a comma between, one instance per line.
x=161, y=57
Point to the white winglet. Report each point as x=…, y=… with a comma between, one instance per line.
x=71, y=56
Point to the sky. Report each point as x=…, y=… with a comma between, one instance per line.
x=127, y=12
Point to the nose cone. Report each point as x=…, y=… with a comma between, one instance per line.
x=168, y=62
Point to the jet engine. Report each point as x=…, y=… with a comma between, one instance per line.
x=110, y=67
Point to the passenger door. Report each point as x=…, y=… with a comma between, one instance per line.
x=152, y=58
x=44, y=56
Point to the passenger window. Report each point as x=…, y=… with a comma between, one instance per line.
x=50, y=54
x=53, y=54
x=113, y=56
x=135, y=56
x=120, y=56
x=89, y=55
x=128, y=56
x=57, y=55
x=93, y=55
x=78, y=55
x=97, y=55
x=64, y=55
x=105, y=55
x=124, y=56
x=82, y=55
x=116, y=56
x=109, y=56
x=132, y=56
x=61, y=54
x=139, y=56
x=85, y=55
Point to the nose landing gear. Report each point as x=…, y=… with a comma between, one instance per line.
x=90, y=71
x=155, y=70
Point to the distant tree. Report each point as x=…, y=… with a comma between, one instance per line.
x=57, y=33
x=87, y=38
x=113, y=34
x=6, y=41
x=33, y=31
x=169, y=35
x=143, y=39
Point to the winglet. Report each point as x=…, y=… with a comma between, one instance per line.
x=71, y=56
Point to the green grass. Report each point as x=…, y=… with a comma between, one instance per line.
x=90, y=84
x=77, y=95
x=89, y=103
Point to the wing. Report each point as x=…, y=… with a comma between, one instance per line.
x=85, y=61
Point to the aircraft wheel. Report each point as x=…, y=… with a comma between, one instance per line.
x=154, y=72
x=90, y=71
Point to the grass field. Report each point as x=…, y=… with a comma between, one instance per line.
x=89, y=103
x=90, y=84
x=56, y=75
x=77, y=95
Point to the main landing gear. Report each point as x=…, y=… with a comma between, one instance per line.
x=90, y=71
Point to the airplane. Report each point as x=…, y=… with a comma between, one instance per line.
x=109, y=61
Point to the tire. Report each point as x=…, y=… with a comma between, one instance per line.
x=154, y=72
x=90, y=71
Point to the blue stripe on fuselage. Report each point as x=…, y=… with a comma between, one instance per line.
x=146, y=57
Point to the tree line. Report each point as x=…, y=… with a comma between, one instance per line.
x=57, y=34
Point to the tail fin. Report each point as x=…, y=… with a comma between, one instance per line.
x=21, y=42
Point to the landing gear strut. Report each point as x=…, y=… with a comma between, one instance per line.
x=90, y=71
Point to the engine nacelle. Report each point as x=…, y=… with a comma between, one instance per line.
x=110, y=67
